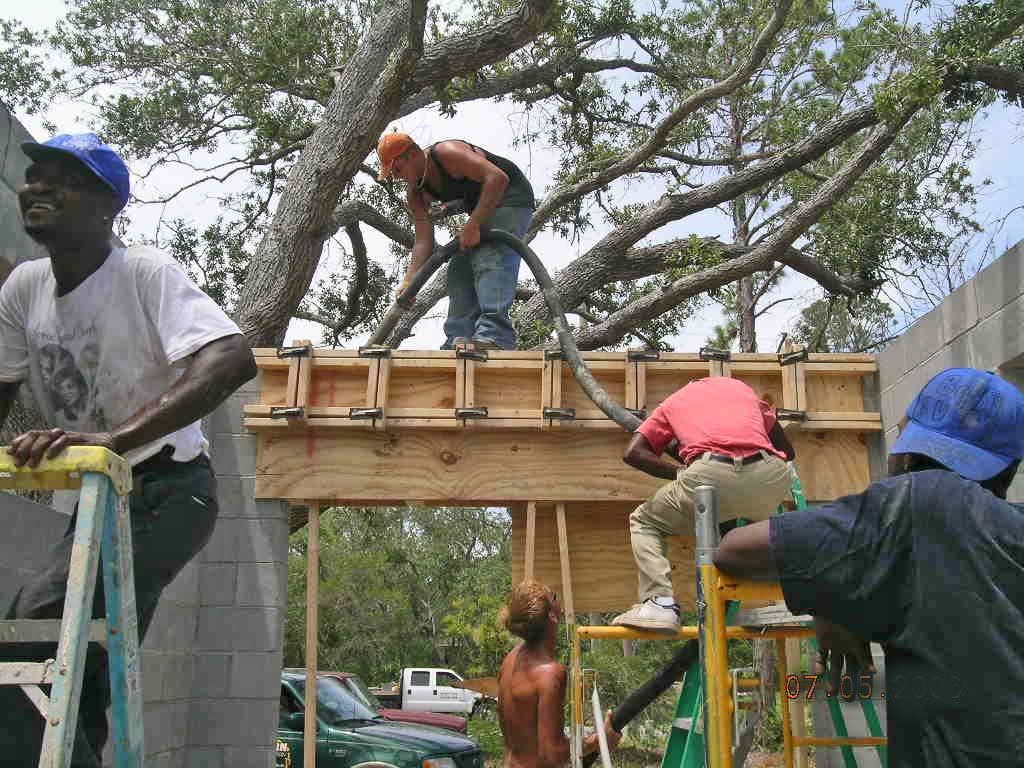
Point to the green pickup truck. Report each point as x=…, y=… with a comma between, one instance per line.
x=350, y=734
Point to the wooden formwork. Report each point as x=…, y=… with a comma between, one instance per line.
x=365, y=427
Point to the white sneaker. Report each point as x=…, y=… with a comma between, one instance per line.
x=651, y=616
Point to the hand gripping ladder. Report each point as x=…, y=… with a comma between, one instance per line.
x=103, y=527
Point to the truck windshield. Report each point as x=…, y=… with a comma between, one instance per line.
x=358, y=689
x=334, y=703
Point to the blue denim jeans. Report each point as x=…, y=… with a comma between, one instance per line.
x=482, y=285
x=173, y=512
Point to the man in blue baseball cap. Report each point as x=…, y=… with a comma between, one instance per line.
x=121, y=350
x=930, y=564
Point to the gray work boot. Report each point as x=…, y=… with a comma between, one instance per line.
x=484, y=343
x=650, y=616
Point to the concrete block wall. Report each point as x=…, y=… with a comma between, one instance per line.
x=980, y=325
x=15, y=245
x=30, y=531
x=241, y=580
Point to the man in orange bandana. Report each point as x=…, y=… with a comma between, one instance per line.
x=482, y=276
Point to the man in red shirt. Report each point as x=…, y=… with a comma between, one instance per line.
x=728, y=438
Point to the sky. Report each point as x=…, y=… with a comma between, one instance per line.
x=494, y=126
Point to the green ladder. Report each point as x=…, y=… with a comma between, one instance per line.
x=102, y=531
x=685, y=748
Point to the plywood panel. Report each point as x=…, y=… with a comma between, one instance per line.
x=515, y=388
x=613, y=381
x=663, y=380
x=767, y=386
x=834, y=392
x=342, y=387
x=604, y=576
x=494, y=466
x=831, y=463
x=413, y=386
x=273, y=386
x=441, y=466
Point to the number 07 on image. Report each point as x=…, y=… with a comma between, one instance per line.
x=810, y=686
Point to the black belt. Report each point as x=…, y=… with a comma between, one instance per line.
x=732, y=459
x=162, y=461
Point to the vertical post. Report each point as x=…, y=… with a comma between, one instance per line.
x=711, y=625
x=122, y=634
x=531, y=539
x=797, y=708
x=787, y=723
x=575, y=671
x=312, y=625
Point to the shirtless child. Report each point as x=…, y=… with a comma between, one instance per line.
x=531, y=684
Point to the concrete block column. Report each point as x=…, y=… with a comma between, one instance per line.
x=242, y=588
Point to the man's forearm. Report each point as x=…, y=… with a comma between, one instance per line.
x=491, y=192
x=420, y=253
x=654, y=466
x=206, y=384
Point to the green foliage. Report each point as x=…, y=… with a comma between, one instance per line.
x=830, y=325
x=484, y=728
x=189, y=82
x=404, y=587
x=25, y=79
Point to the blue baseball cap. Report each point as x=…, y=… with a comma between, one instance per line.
x=968, y=420
x=87, y=148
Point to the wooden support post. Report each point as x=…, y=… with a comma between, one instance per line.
x=556, y=390
x=312, y=626
x=292, y=387
x=797, y=707
x=575, y=669
x=531, y=538
x=787, y=722
x=547, y=378
x=636, y=384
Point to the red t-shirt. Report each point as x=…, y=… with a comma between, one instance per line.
x=716, y=414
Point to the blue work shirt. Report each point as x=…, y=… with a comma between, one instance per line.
x=931, y=566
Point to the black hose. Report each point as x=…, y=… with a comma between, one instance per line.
x=406, y=298
x=639, y=699
x=624, y=418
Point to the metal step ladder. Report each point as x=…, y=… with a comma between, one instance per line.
x=685, y=748
x=102, y=532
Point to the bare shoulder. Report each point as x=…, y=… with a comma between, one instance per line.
x=550, y=674
x=454, y=148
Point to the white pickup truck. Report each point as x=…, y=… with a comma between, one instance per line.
x=427, y=689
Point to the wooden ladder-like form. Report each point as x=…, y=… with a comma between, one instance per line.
x=103, y=527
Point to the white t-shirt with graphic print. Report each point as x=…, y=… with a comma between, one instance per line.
x=95, y=356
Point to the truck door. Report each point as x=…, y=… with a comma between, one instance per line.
x=449, y=693
x=420, y=693
x=289, y=733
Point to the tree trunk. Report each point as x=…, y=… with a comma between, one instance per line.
x=381, y=74
x=745, y=305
